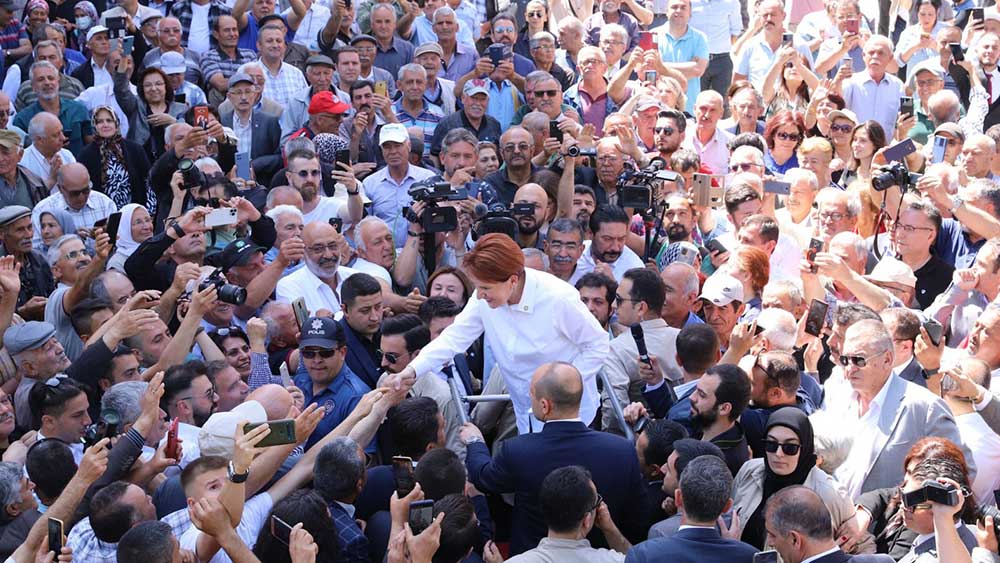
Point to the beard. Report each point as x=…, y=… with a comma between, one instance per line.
x=677, y=232
x=528, y=227
x=702, y=420
x=324, y=269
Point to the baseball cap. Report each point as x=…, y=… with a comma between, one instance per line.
x=952, y=129
x=394, y=133
x=12, y=213
x=237, y=253
x=172, y=63
x=92, y=31
x=9, y=139
x=217, y=434
x=843, y=113
x=428, y=48
x=475, y=86
x=722, y=289
x=647, y=102
x=326, y=102
x=891, y=270
x=150, y=16
x=27, y=336
x=321, y=332
x=240, y=77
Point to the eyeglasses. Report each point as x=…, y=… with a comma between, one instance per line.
x=248, y=93
x=308, y=173
x=611, y=42
x=535, y=14
x=325, y=354
x=858, y=361
x=229, y=331
x=827, y=216
x=504, y=29
x=209, y=395
x=544, y=47
x=546, y=93
x=909, y=229
x=597, y=504
x=619, y=300
x=321, y=249
x=520, y=147
x=588, y=62
x=569, y=246
x=207, y=202
x=664, y=130
x=742, y=166
x=74, y=254
x=840, y=128
x=787, y=448
x=392, y=357
x=76, y=193
x=787, y=136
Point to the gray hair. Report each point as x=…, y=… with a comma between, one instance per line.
x=802, y=176
x=359, y=240
x=779, y=327
x=874, y=335
x=280, y=210
x=277, y=191
x=753, y=152
x=616, y=30
x=536, y=121
x=11, y=475
x=571, y=23
x=389, y=7
x=533, y=252
x=168, y=133
x=338, y=469
x=41, y=64
x=443, y=11
x=124, y=397
x=536, y=77
x=267, y=315
x=567, y=225
x=298, y=144
x=46, y=43
x=412, y=67
x=691, y=281
x=852, y=241
x=787, y=287
x=99, y=288
x=458, y=135
x=832, y=438
x=537, y=38
x=252, y=64
x=706, y=485
x=36, y=127
x=207, y=161
x=833, y=194
x=801, y=510
x=55, y=251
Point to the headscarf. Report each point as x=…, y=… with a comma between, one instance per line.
x=795, y=420
x=111, y=145
x=126, y=244
x=90, y=10
x=31, y=6
x=327, y=145
x=63, y=218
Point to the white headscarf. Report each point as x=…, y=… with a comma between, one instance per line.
x=126, y=245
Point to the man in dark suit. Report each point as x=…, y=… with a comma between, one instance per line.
x=339, y=476
x=799, y=528
x=361, y=300
x=703, y=496
x=257, y=132
x=522, y=463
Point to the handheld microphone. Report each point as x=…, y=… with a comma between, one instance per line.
x=640, y=344
x=480, y=211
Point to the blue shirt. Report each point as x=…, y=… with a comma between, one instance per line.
x=339, y=399
x=504, y=101
x=756, y=59
x=389, y=198
x=73, y=115
x=685, y=49
x=869, y=100
x=774, y=168
x=954, y=246
x=463, y=61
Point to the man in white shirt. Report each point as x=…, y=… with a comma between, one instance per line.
x=303, y=174
x=977, y=435
x=75, y=196
x=319, y=282
x=759, y=53
x=706, y=138
x=606, y=252
x=874, y=93
x=46, y=154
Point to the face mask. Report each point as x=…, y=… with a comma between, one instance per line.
x=84, y=22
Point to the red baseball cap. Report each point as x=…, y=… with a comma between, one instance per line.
x=326, y=102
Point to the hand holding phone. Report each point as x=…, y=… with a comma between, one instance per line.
x=421, y=515
x=171, y=451
x=282, y=432
x=402, y=471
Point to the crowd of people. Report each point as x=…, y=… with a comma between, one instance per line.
x=473, y=280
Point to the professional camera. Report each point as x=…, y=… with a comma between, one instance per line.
x=638, y=186
x=995, y=513
x=107, y=426
x=895, y=174
x=193, y=176
x=577, y=151
x=228, y=293
x=932, y=491
x=436, y=219
x=497, y=219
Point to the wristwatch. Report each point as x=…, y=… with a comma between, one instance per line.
x=929, y=373
x=177, y=230
x=355, y=192
x=473, y=440
x=237, y=477
x=956, y=202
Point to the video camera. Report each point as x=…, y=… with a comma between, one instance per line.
x=636, y=186
x=107, y=426
x=436, y=219
x=496, y=219
x=932, y=491
x=193, y=177
x=228, y=293
x=895, y=174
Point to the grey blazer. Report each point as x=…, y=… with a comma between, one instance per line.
x=264, y=142
x=910, y=412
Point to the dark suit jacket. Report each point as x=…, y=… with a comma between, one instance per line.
x=701, y=545
x=136, y=162
x=964, y=83
x=265, y=142
x=358, y=359
x=841, y=557
x=84, y=73
x=522, y=463
x=914, y=373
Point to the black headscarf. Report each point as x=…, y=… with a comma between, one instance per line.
x=796, y=420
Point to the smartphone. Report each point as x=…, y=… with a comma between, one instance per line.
x=934, y=330
x=937, y=152
x=700, y=187
x=714, y=246
x=786, y=39
x=815, y=246
x=115, y=24
x=243, y=165
x=281, y=530
x=201, y=114
x=957, y=54
x=116, y=44
x=777, y=187
x=343, y=157
x=816, y=317
x=977, y=14
x=55, y=535
x=300, y=311
x=554, y=131
x=171, y=449
x=646, y=40
x=128, y=43
x=906, y=105
x=382, y=88
x=402, y=470
x=337, y=223
x=496, y=54
x=421, y=515
x=899, y=151
x=770, y=556
x=852, y=26
x=650, y=76
x=282, y=432
x=221, y=217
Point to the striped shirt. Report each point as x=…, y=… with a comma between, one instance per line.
x=427, y=120
x=283, y=86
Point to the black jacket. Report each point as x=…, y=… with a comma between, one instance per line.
x=136, y=162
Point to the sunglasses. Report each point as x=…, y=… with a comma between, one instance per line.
x=308, y=173
x=230, y=331
x=393, y=358
x=74, y=254
x=840, y=128
x=664, y=130
x=771, y=446
x=788, y=136
x=744, y=167
x=325, y=354
x=546, y=93
x=208, y=202
x=858, y=361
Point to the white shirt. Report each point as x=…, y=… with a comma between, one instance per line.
x=37, y=163
x=851, y=474
x=549, y=323
x=714, y=153
x=784, y=261
x=190, y=449
x=985, y=447
x=624, y=263
x=101, y=74
x=372, y=269
x=310, y=26
x=255, y=514
x=98, y=206
x=317, y=293
x=198, y=37
x=326, y=209
x=719, y=20
x=821, y=555
x=104, y=95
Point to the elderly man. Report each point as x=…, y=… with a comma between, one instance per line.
x=795, y=218
x=326, y=115
x=35, y=282
x=611, y=13
x=38, y=356
x=571, y=35
x=882, y=442
x=52, y=52
x=590, y=95
x=977, y=157
x=97, y=69
x=472, y=117
x=874, y=93
x=221, y=62
x=836, y=212
x=73, y=115
x=18, y=184
x=283, y=79
x=761, y=51
x=388, y=187
x=412, y=110
x=319, y=282
x=75, y=197
x=543, y=52
x=927, y=80
x=517, y=147
x=391, y=51
x=184, y=90
x=168, y=33
x=288, y=223
x=706, y=139
x=365, y=44
x=46, y=154
x=987, y=51
x=459, y=58
x=440, y=91
x=319, y=74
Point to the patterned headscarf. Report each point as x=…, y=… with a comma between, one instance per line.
x=110, y=145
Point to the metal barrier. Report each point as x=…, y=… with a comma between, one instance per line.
x=463, y=400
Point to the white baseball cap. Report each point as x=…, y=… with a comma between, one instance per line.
x=722, y=289
x=216, y=435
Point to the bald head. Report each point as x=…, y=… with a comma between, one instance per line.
x=531, y=193
x=275, y=399
x=561, y=384
x=799, y=509
x=318, y=230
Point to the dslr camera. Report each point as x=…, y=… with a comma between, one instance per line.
x=107, y=426
x=895, y=174
x=437, y=219
x=498, y=219
x=193, y=177
x=228, y=293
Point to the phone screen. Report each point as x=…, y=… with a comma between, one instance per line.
x=956, y=52
x=55, y=535
x=421, y=515
x=816, y=318
x=937, y=153
x=282, y=432
x=402, y=470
